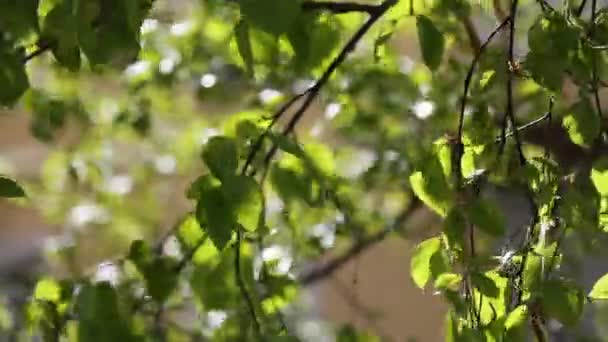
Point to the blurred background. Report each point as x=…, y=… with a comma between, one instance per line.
x=108, y=156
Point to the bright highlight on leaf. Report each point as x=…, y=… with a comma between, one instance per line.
x=48, y=289
x=420, y=265
x=582, y=123
x=600, y=289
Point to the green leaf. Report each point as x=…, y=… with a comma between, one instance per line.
x=18, y=18
x=431, y=187
x=516, y=324
x=449, y=281
x=313, y=39
x=485, y=285
x=105, y=32
x=454, y=227
x=532, y=272
x=13, y=78
x=487, y=217
x=205, y=279
x=273, y=16
x=599, y=176
x=61, y=27
x=48, y=290
x=486, y=78
x=216, y=211
x=245, y=196
x=243, y=43
x=220, y=155
x=10, y=189
x=420, y=265
x=582, y=123
x=431, y=42
x=190, y=233
x=159, y=272
x=100, y=318
x=600, y=288
x=563, y=301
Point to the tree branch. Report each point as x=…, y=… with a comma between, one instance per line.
x=339, y=7
x=314, y=91
x=328, y=268
x=43, y=46
x=463, y=104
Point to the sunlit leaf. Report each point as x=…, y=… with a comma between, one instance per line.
x=47, y=289
x=420, y=265
x=243, y=42
x=582, y=123
x=429, y=184
x=600, y=288
x=448, y=281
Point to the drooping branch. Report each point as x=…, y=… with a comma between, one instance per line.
x=594, y=63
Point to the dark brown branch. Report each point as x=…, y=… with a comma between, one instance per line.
x=328, y=268
x=509, y=114
x=43, y=47
x=241, y=284
x=581, y=7
x=338, y=7
x=594, y=64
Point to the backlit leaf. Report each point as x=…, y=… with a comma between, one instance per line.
x=582, y=123
x=431, y=42
x=243, y=42
x=600, y=288
x=420, y=265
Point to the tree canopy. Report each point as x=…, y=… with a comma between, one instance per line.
x=292, y=128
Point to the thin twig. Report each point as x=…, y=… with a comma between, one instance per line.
x=546, y=116
x=594, y=65
x=314, y=91
x=339, y=7
x=43, y=47
x=510, y=115
x=581, y=7
x=241, y=284
x=467, y=84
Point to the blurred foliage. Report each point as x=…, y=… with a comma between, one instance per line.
x=186, y=213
